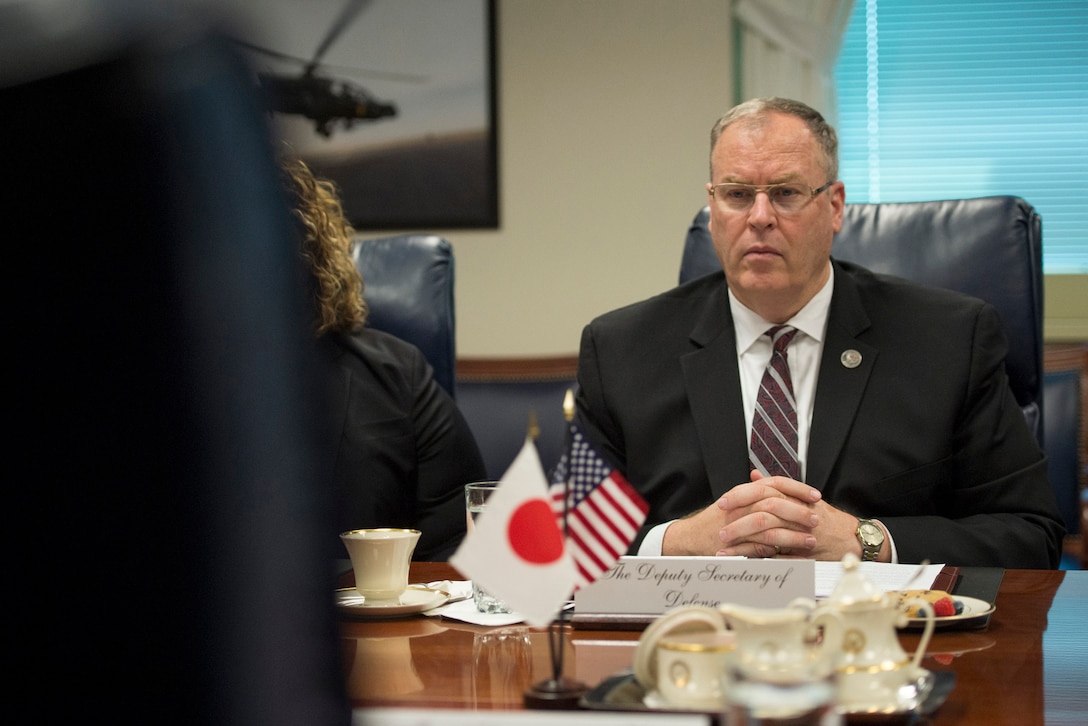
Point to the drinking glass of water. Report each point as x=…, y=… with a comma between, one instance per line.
x=476, y=496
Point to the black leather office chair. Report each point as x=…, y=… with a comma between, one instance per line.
x=1061, y=389
x=497, y=397
x=989, y=247
x=408, y=285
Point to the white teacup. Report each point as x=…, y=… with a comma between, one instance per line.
x=691, y=668
x=380, y=559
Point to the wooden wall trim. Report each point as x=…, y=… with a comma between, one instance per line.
x=1065, y=356
x=551, y=368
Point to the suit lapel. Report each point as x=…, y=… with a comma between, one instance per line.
x=712, y=380
x=842, y=379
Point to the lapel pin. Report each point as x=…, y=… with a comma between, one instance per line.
x=850, y=358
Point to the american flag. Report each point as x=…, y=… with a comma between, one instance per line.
x=603, y=513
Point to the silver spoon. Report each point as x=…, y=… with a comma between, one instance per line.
x=917, y=573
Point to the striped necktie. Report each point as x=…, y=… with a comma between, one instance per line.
x=773, y=449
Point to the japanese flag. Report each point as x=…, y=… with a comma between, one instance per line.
x=516, y=550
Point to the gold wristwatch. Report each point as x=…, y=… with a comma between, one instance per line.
x=871, y=537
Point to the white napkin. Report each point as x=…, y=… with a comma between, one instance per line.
x=461, y=607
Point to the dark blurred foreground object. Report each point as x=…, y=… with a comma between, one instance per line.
x=165, y=505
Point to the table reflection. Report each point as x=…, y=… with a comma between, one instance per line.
x=1065, y=646
x=502, y=666
x=425, y=661
x=381, y=665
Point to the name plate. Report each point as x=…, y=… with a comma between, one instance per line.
x=652, y=585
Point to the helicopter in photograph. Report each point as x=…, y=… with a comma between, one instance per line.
x=326, y=101
x=322, y=100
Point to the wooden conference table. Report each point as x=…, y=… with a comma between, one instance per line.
x=1029, y=666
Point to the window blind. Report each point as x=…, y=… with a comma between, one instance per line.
x=947, y=99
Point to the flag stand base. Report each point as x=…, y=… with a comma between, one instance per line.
x=563, y=693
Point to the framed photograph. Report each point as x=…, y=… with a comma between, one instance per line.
x=393, y=100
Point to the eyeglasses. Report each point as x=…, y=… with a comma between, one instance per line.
x=786, y=198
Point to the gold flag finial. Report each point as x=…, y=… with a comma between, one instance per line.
x=534, y=427
x=568, y=406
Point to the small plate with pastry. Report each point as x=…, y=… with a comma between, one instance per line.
x=949, y=611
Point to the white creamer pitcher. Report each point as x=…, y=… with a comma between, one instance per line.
x=873, y=669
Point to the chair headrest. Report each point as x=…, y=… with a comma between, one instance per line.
x=408, y=286
x=989, y=247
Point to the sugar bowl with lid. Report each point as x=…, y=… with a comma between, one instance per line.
x=783, y=643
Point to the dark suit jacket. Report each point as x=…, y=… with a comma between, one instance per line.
x=924, y=434
x=403, y=451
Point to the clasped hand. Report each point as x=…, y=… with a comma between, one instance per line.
x=771, y=516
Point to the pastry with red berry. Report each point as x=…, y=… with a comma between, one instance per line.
x=943, y=604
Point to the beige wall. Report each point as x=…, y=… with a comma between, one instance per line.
x=605, y=110
x=1065, y=306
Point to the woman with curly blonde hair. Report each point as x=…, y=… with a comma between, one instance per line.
x=402, y=450
x=326, y=248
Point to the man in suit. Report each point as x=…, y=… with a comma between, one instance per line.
x=907, y=442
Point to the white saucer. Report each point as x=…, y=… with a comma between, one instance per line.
x=911, y=697
x=656, y=702
x=416, y=599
